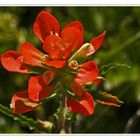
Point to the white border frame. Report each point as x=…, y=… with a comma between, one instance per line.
x=70, y=2
x=77, y=3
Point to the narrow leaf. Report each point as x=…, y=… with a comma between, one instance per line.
x=105, y=68
x=107, y=99
x=23, y=120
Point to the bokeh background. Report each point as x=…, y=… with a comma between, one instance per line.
x=121, y=46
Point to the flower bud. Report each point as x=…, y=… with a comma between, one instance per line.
x=73, y=65
x=86, y=50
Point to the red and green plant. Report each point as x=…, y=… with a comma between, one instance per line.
x=64, y=70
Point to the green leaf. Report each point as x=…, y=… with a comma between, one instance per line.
x=105, y=68
x=24, y=120
x=107, y=99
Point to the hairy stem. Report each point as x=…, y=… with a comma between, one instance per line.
x=64, y=125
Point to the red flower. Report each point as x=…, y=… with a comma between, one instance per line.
x=63, y=50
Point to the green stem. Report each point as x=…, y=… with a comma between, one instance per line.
x=63, y=125
x=54, y=95
x=34, y=72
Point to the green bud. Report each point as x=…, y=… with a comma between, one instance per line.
x=85, y=50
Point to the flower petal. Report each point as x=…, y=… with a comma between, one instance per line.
x=84, y=106
x=54, y=46
x=45, y=24
x=97, y=41
x=77, y=89
x=76, y=24
x=31, y=55
x=72, y=38
x=56, y=63
x=37, y=89
x=21, y=104
x=48, y=76
x=87, y=73
x=12, y=61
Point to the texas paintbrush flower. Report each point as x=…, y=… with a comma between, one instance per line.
x=63, y=67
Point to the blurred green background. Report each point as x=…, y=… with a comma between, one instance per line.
x=121, y=45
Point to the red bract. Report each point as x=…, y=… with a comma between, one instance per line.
x=13, y=61
x=44, y=24
x=60, y=64
x=97, y=41
x=31, y=55
x=38, y=89
x=84, y=105
x=87, y=73
x=21, y=104
x=38, y=86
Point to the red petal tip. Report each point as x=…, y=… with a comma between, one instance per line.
x=45, y=23
x=97, y=41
